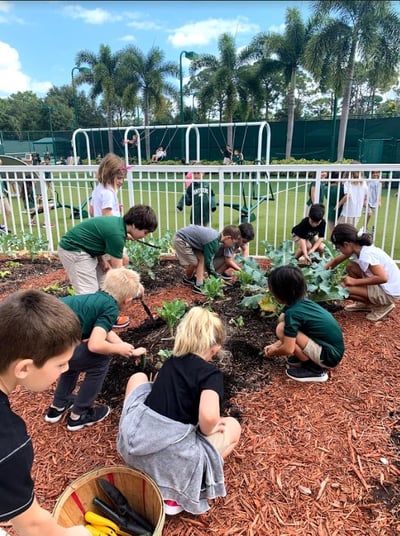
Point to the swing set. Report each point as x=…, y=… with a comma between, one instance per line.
x=250, y=182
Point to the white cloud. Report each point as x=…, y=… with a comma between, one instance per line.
x=6, y=16
x=91, y=16
x=207, y=31
x=12, y=79
x=144, y=25
x=128, y=38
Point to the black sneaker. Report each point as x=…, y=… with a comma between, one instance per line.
x=226, y=276
x=293, y=361
x=189, y=280
x=311, y=373
x=197, y=289
x=53, y=414
x=92, y=416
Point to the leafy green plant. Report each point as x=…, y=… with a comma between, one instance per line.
x=212, y=288
x=171, y=312
x=10, y=244
x=55, y=288
x=34, y=244
x=71, y=291
x=143, y=258
x=251, y=275
x=14, y=264
x=4, y=274
x=164, y=354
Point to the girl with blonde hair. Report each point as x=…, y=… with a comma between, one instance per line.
x=172, y=428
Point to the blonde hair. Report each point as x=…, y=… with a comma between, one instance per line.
x=121, y=283
x=197, y=332
x=110, y=167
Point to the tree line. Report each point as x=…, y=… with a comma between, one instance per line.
x=337, y=63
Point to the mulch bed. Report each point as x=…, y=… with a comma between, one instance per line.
x=313, y=459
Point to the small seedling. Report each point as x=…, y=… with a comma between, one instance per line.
x=14, y=264
x=4, y=274
x=55, y=288
x=237, y=322
x=171, y=312
x=164, y=354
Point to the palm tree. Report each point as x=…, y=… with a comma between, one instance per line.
x=103, y=78
x=221, y=80
x=146, y=76
x=372, y=29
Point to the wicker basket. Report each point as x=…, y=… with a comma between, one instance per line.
x=138, y=488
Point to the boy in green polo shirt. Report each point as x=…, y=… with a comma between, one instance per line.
x=97, y=314
x=195, y=246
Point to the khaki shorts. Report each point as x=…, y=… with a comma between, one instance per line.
x=309, y=243
x=185, y=253
x=377, y=296
x=313, y=351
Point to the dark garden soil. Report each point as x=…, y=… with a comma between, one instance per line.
x=313, y=459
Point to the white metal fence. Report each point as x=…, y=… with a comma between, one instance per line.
x=45, y=201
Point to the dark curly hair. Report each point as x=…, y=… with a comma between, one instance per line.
x=287, y=284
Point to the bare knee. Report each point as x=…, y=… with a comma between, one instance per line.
x=134, y=381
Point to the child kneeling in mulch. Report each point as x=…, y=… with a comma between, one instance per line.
x=172, y=428
x=308, y=334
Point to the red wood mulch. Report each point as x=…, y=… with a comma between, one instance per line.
x=314, y=459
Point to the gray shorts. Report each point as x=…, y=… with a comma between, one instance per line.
x=377, y=296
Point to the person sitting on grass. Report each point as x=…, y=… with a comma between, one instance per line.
x=195, y=247
x=81, y=250
x=172, y=428
x=373, y=278
x=97, y=314
x=308, y=235
x=38, y=334
x=307, y=333
x=225, y=257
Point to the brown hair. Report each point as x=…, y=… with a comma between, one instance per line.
x=142, y=217
x=37, y=326
x=110, y=167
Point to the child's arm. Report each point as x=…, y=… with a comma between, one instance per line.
x=335, y=261
x=379, y=276
x=281, y=348
x=39, y=522
x=209, y=412
x=316, y=245
x=303, y=249
x=101, y=342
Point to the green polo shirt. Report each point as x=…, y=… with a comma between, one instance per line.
x=97, y=309
x=319, y=325
x=97, y=236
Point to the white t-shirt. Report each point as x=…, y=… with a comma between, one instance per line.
x=104, y=197
x=357, y=193
x=372, y=256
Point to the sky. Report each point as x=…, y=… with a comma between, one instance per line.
x=39, y=40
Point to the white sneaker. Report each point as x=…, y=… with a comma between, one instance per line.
x=172, y=508
x=358, y=307
x=380, y=312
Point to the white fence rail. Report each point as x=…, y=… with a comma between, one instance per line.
x=272, y=198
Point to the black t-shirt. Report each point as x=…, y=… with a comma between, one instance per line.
x=16, y=458
x=307, y=231
x=178, y=386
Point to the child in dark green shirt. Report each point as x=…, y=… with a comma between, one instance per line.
x=200, y=196
x=307, y=332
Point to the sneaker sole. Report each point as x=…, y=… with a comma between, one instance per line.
x=53, y=420
x=80, y=426
x=120, y=326
x=172, y=510
x=351, y=309
x=316, y=379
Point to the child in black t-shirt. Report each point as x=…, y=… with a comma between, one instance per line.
x=172, y=428
x=38, y=334
x=309, y=233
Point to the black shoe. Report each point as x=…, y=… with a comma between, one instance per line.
x=53, y=414
x=189, y=280
x=197, y=289
x=293, y=361
x=92, y=416
x=226, y=276
x=309, y=373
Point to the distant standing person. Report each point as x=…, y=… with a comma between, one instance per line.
x=227, y=155
x=356, y=195
x=374, y=195
x=335, y=202
x=200, y=196
x=312, y=192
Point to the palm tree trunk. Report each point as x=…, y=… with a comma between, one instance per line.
x=290, y=124
x=344, y=117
